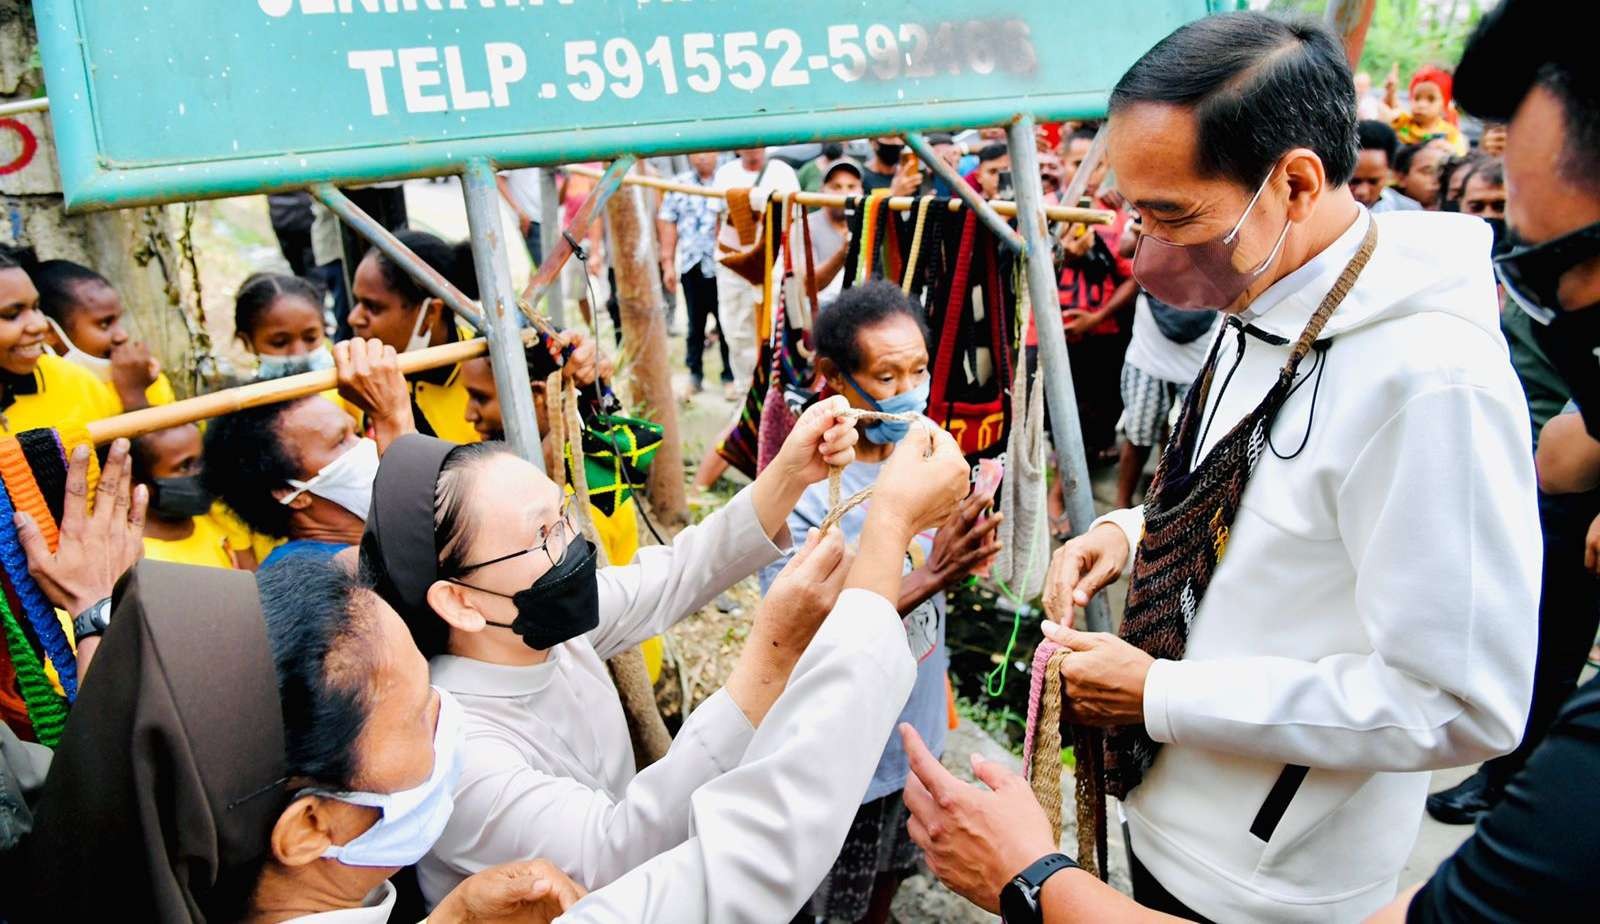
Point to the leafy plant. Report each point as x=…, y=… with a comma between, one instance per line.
x=1407, y=33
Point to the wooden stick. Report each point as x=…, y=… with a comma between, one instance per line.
x=255, y=394
x=898, y=203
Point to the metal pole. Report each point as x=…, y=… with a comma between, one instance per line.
x=610, y=181
x=500, y=309
x=16, y=107
x=383, y=239
x=1060, y=397
x=991, y=219
x=549, y=234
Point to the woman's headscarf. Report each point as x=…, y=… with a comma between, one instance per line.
x=397, y=549
x=168, y=779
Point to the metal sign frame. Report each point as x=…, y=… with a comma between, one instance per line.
x=91, y=179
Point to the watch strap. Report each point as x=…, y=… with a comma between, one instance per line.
x=92, y=621
x=1026, y=885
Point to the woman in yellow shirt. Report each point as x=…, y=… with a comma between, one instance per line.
x=178, y=526
x=388, y=305
x=36, y=388
x=85, y=315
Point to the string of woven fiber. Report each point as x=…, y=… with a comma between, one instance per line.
x=836, y=509
x=1041, y=760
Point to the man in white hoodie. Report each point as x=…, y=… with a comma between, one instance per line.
x=1335, y=576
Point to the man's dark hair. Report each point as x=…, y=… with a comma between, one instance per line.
x=993, y=151
x=1083, y=133
x=320, y=627
x=14, y=257
x=435, y=252
x=246, y=459
x=260, y=291
x=838, y=327
x=1372, y=135
x=58, y=282
x=1405, y=155
x=1259, y=86
x=1518, y=45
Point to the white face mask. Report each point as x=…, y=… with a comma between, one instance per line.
x=412, y=819
x=421, y=334
x=276, y=367
x=100, y=367
x=347, y=480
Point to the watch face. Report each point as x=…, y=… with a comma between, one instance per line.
x=1016, y=906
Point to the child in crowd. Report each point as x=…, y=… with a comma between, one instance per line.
x=85, y=315
x=1430, y=114
x=38, y=388
x=179, y=526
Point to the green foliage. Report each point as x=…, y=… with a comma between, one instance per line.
x=997, y=719
x=1404, y=33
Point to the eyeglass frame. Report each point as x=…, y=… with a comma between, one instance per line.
x=564, y=525
x=1552, y=258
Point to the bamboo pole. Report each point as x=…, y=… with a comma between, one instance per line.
x=898, y=203
x=256, y=394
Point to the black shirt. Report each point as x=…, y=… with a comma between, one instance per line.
x=1537, y=855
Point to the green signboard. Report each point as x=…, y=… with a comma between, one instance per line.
x=161, y=100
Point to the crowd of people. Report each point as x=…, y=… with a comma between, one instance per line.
x=344, y=657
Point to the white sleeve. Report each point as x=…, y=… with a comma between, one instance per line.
x=1131, y=521
x=1439, y=517
x=665, y=583
x=767, y=832
x=506, y=810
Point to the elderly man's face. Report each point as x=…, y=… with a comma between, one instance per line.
x=1153, y=150
x=1541, y=203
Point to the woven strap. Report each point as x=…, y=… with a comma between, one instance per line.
x=47, y=710
x=40, y=614
x=837, y=508
x=1041, y=760
x=916, y=244
x=24, y=491
x=950, y=324
x=742, y=216
x=48, y=462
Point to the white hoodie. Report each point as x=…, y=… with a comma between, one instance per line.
x=1374, y=615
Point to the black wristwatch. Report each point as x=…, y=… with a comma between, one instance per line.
x=1019, y=900
x=92, y=621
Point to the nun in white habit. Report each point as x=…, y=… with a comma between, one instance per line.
x=477, y=551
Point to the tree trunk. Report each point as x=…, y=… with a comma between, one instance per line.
x=138, y=250
x=632, y=246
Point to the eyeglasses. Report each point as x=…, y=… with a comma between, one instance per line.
x=553, y=541
x=1532, y=274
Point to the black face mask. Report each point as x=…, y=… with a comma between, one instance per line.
x=889, y=154
x=561, y=605
x=179, y=498
x=1572, y=342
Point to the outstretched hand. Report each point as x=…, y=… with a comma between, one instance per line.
x=975, y=840
x=524, y=892
x=95, y=548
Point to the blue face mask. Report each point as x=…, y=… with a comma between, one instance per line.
x=882, y=432
x=276, y=367
x=412, y=819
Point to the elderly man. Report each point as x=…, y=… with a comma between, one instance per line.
x=1334, y=575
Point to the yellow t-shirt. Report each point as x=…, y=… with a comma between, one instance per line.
x=67, y=395
x=160, y=391
x=1409, y=132
x=240, y=536
x=207, y=546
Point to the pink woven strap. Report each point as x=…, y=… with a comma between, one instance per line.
x=1041, y=662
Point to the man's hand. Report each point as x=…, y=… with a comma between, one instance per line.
x=524, y=222
x=919, y=487
x=95, y=549
x=524, y=892
x=1591, y=548
x=907, y=178
x=669, y=276
x=133, y=370
x=1079, y=569
x=965, y=542
x=581, y=367
x=1076, y=242
x=1104, y=676
x=820, y=439
x=975, y=841
x=795, y=606
x=1078, y=324
x=370, y=379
